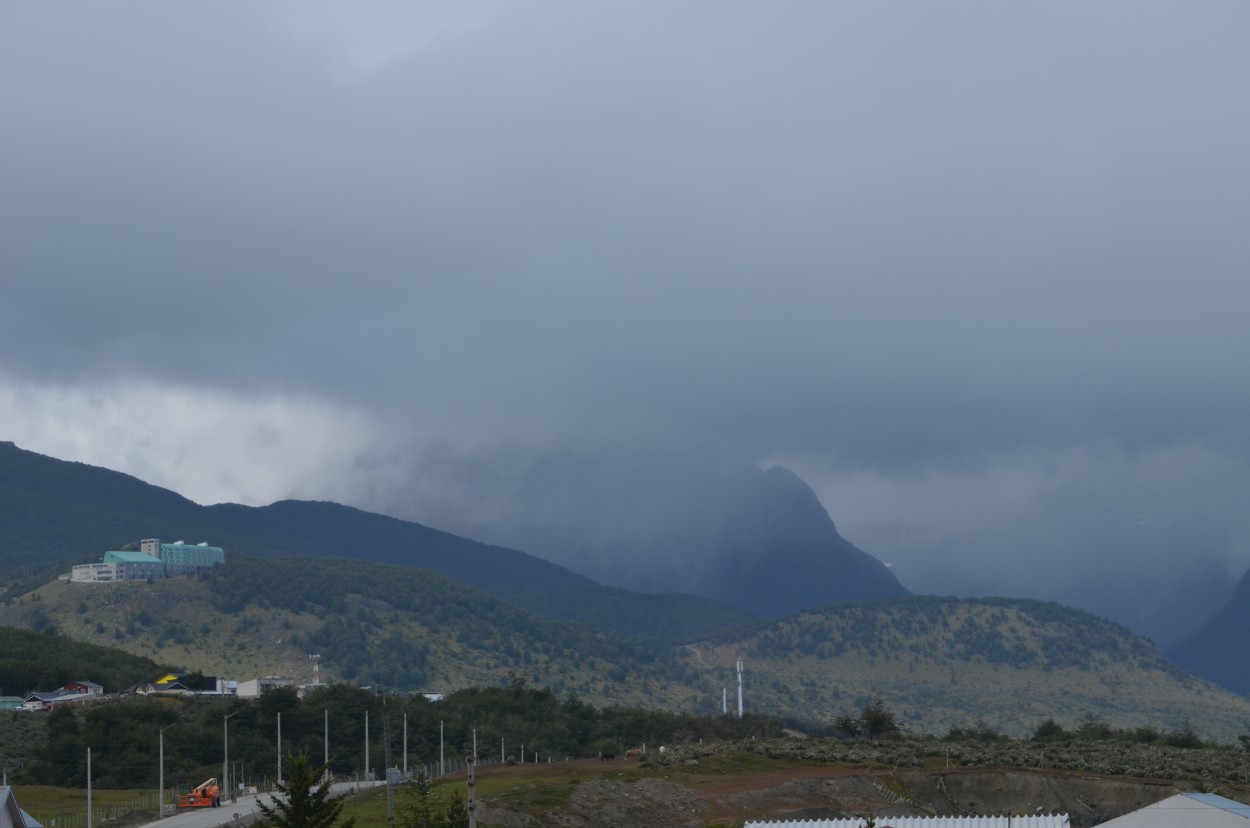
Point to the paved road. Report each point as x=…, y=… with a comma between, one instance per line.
x=229, y=812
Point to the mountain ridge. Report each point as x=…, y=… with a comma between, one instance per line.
x=49, y=506
x=656, y=518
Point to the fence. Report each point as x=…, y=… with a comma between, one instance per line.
x=148, y=802
x=143, y=802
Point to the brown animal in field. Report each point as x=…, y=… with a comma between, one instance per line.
x=633, y=753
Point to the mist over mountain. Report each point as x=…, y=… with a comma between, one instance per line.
x=54, y=513
x=661, y=523
x=1220, y=650
x=656, y=519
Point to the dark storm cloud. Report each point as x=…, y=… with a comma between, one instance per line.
x=900, y=237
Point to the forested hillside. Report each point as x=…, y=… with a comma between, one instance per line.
x=946, y=662
x=940, y=663
x=45, y=661
x=373, y=624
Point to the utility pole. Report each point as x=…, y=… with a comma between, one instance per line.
x=89, y=814
x=225, y=756
x=366, y=747
x=386, y=763
x=162, y=752
x=279, y=747
x=326, y=742
x=471, y=806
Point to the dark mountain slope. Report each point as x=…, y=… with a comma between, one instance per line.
x=667, y=616
x=781, y=552
x=60, y=511
x=330, y=529
x=54, y=512
x=661, y=519
x=1220, y=650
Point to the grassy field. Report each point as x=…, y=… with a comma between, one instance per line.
x=67, y=807
x=538, y=789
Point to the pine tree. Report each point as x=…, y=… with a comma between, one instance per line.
x=457, y=813
x=304, y=799
x=416, y=812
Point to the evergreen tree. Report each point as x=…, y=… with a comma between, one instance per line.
x=877, y=720
x=415, y=812
x=457, y=813
x=304, y=799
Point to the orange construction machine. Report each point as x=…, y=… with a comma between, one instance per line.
x=204, y=795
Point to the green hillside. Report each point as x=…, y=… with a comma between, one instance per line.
x=372, y=624
x=996, y=664
x=42, y=661
x=1004, y=664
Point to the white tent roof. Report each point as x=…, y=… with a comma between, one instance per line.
x=1192, y=810
x=1036, y=821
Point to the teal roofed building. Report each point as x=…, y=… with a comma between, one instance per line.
x=154, y=561
x=120, y=566
x=184, y=556
x=135, y=566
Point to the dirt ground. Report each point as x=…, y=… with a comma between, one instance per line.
x=812, y=792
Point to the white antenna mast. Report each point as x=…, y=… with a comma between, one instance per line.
x=740, y=688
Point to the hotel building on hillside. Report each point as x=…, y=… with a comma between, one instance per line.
x=155, y=561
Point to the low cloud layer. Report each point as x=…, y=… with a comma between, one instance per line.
x=975, y=270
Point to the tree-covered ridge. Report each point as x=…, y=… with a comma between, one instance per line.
x=666, y=616
x=998, y=631
x=41, y=661
x=396, y=626
x=54, y=513
x=959, y=663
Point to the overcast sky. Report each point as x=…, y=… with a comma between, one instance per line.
x=978, y=271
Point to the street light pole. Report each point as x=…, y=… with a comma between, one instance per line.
x=225, y=757
x=161, y=813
